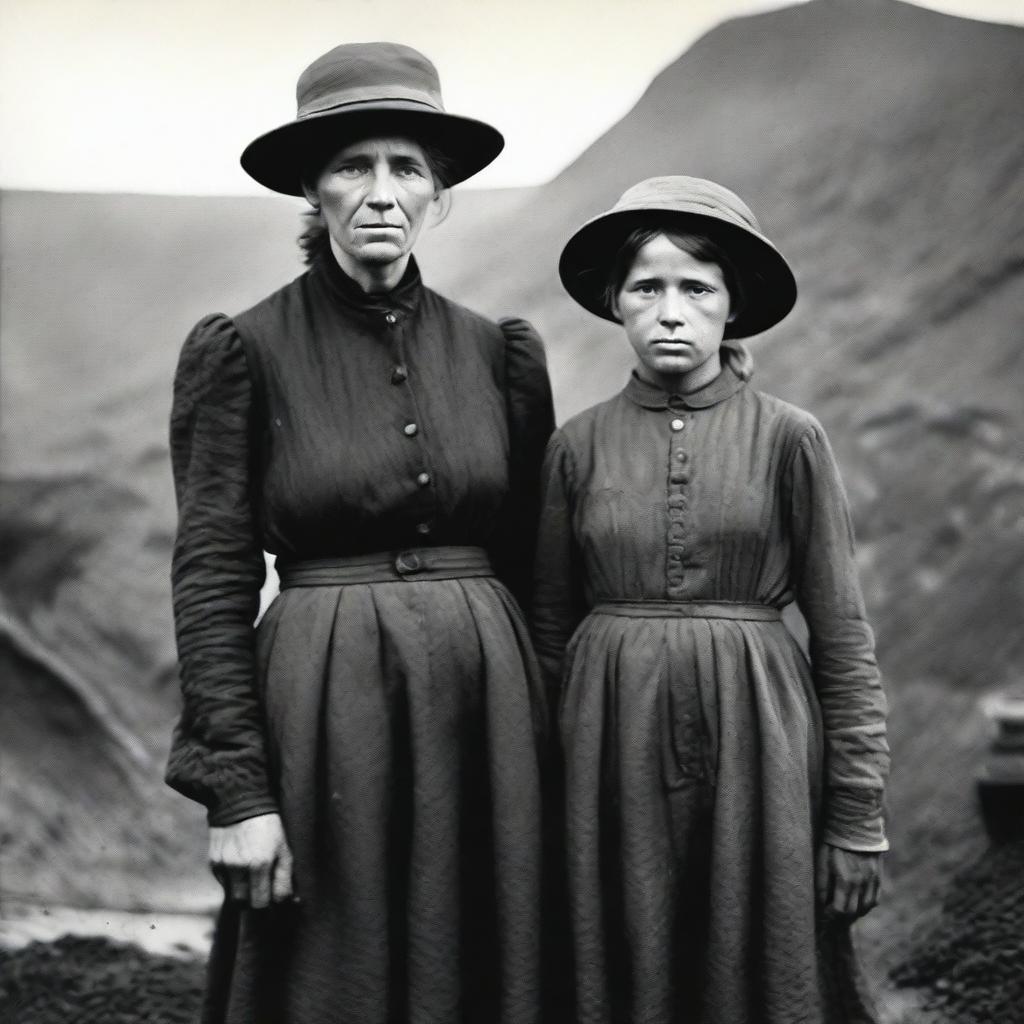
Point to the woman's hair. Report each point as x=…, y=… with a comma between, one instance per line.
x=314, y=239
x=700, y=247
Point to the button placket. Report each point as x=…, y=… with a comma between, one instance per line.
x=421, y=476
x=677, y=504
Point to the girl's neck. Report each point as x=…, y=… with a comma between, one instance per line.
x=682, y=383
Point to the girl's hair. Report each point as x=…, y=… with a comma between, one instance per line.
x=700, y=247
x=314, y=240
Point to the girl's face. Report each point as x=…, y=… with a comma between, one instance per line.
x=674, y=309
x=374, y=195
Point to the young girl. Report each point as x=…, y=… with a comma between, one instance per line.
x=723, y=796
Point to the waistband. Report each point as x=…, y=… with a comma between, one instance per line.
x=689, y=610
x=440, y=563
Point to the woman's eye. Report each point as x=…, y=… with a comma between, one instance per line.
x=644, y=289
x=409, y=171
x=699, y=289
x=348, y=170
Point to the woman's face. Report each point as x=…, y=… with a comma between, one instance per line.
x=674, y=309
x=374, y=195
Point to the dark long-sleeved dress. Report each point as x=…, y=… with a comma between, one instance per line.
x=705, y=759
x=389, y=709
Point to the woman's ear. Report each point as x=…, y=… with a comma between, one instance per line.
x=732, y=316
x=312, y=197
x=613, y=305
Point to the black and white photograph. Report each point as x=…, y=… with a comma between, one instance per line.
x=512, y=512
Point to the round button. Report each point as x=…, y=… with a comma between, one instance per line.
x=408, y=561
x=391, y=318
x=399, y=375
x=423, y=479
x=677, y=424
x=423, y=529
x=682, y=456
x=410, y=430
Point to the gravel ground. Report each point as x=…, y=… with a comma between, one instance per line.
x=78, y=980
x=971, y=962
x=969, y=965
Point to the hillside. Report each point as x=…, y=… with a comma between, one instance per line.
x=880, y=145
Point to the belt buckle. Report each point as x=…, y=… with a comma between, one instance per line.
x=408, y=562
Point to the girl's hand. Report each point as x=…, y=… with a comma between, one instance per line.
x=252, y=861
x=848, y=882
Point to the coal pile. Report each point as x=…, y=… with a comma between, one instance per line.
x=971, y=962
x=95, y=981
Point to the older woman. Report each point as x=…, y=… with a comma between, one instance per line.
x=712, y=775
x=372, y=747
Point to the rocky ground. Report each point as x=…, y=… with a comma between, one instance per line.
x=965, y=968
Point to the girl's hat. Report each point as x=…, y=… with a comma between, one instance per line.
x=683, y=204
x=362, y=88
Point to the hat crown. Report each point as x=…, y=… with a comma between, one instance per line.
x=688, y=195
x=365, y=73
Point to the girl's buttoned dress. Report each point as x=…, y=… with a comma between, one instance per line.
x=705, y=759
x=386, y=448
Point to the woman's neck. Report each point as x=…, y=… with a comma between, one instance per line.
x=372, y=277
x=682, y=383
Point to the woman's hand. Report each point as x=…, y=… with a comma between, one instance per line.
x=252, y=861
x=848, y=882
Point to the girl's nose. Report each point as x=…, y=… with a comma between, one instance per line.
x=670, y=310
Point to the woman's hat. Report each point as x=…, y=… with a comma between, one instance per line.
x=361, y=88
x=682, y=204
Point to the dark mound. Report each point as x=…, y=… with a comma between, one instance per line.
x=95, y=981
x=972, y=961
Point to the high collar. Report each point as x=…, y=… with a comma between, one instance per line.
x=401, y=301
x=650, y=396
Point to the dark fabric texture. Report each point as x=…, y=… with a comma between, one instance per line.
x=705, y=760
x=396, y=726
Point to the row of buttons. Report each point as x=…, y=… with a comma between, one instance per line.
x=677, y=509
x=399, y=375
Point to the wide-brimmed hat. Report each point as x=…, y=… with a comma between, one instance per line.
x=682, y=204
x=361, y=88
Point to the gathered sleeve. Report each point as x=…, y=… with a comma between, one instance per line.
x=531, y=419
x=845, y=672
x=218, y=751
x=559, y=605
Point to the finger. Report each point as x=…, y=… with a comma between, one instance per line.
x=259, y=886
x=840, y=893
x=282, y=880
x=874, y=890
x=238, y=885
x=855, y=894
x=823, y=877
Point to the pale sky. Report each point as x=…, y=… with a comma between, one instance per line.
x=162, y=95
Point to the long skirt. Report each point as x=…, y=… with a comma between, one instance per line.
x=693, y=757
x=404, y=729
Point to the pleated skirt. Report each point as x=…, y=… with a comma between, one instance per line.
x=693, y=754
x=405, y=721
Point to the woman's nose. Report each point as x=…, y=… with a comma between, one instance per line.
x=382, y=193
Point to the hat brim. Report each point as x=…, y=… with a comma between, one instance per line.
x=278, y=158
x=768, y=283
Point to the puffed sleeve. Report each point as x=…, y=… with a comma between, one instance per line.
x=842, y=649
x=217, y=753
x=531, y=418
x=558, y=600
